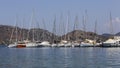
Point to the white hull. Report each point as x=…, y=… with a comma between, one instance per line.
x=110, y=45
x=75, y=45
x=68, y=45
x=45, y=44
x=112, y=42
x=65, y=45
x=86, y=44
x=54, y=45
x=12, y=45
x=31, y=44
x=61, y=45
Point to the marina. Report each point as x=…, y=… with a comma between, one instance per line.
x=59, y=34
x=115, y=42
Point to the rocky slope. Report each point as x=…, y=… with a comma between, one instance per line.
x=40, y=35
x=7, y=32
x=81, y=35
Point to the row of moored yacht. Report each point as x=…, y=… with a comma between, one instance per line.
x=63, y=43
x=114, y=42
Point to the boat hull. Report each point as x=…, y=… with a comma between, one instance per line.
x=110, y=45
x=12, y=45
x=21, y=46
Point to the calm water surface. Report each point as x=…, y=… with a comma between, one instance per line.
x=60, y=57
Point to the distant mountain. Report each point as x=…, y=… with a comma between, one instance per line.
x=45, y=35
x=39, y=34
x=107, y=35
x=117, y=34
x=81, y=35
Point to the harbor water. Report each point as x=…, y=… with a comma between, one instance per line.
x=84, y=57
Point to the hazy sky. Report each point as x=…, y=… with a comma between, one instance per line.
x=49, y=9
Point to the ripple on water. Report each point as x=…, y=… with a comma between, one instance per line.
x=60, y=58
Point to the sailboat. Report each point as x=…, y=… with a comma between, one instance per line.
x=87, y=42
x=114, y=41
x=66, y=41
x=16, y=43
x=75, y=43
x=32, y=43
x=21, y=42
x=12, y=43
x=43, y=42
x=54, y=44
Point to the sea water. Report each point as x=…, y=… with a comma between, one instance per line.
x=85, y=57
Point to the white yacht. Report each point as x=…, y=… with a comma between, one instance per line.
x=12, y=45
x=19, y=44
x=31, y=44
x=44, y=44
x=54, y=45
x=88, y=43
x=75, y=44
x=64, y=43
x=112, y=42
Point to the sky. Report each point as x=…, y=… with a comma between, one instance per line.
x=50, y=10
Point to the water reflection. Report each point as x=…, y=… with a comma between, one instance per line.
x=113, y=59
x=60, y=58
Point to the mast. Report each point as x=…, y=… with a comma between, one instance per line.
x=62, y=28
x=31, y=26
x=22, y=31
x=95, y=29
x=37, y=31
x=67, y=26
x=43, y=21
x=111, y=24
x=76, y=23
x=11, y=35
x=33, y=32
x=16, y=29
x=84, y=23
x=28, y=33
x=23, y=34
x=84, y=27
x=54, y=29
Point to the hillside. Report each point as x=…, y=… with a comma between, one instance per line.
x=117, y=34
x=41, y=35
x=81, y=35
